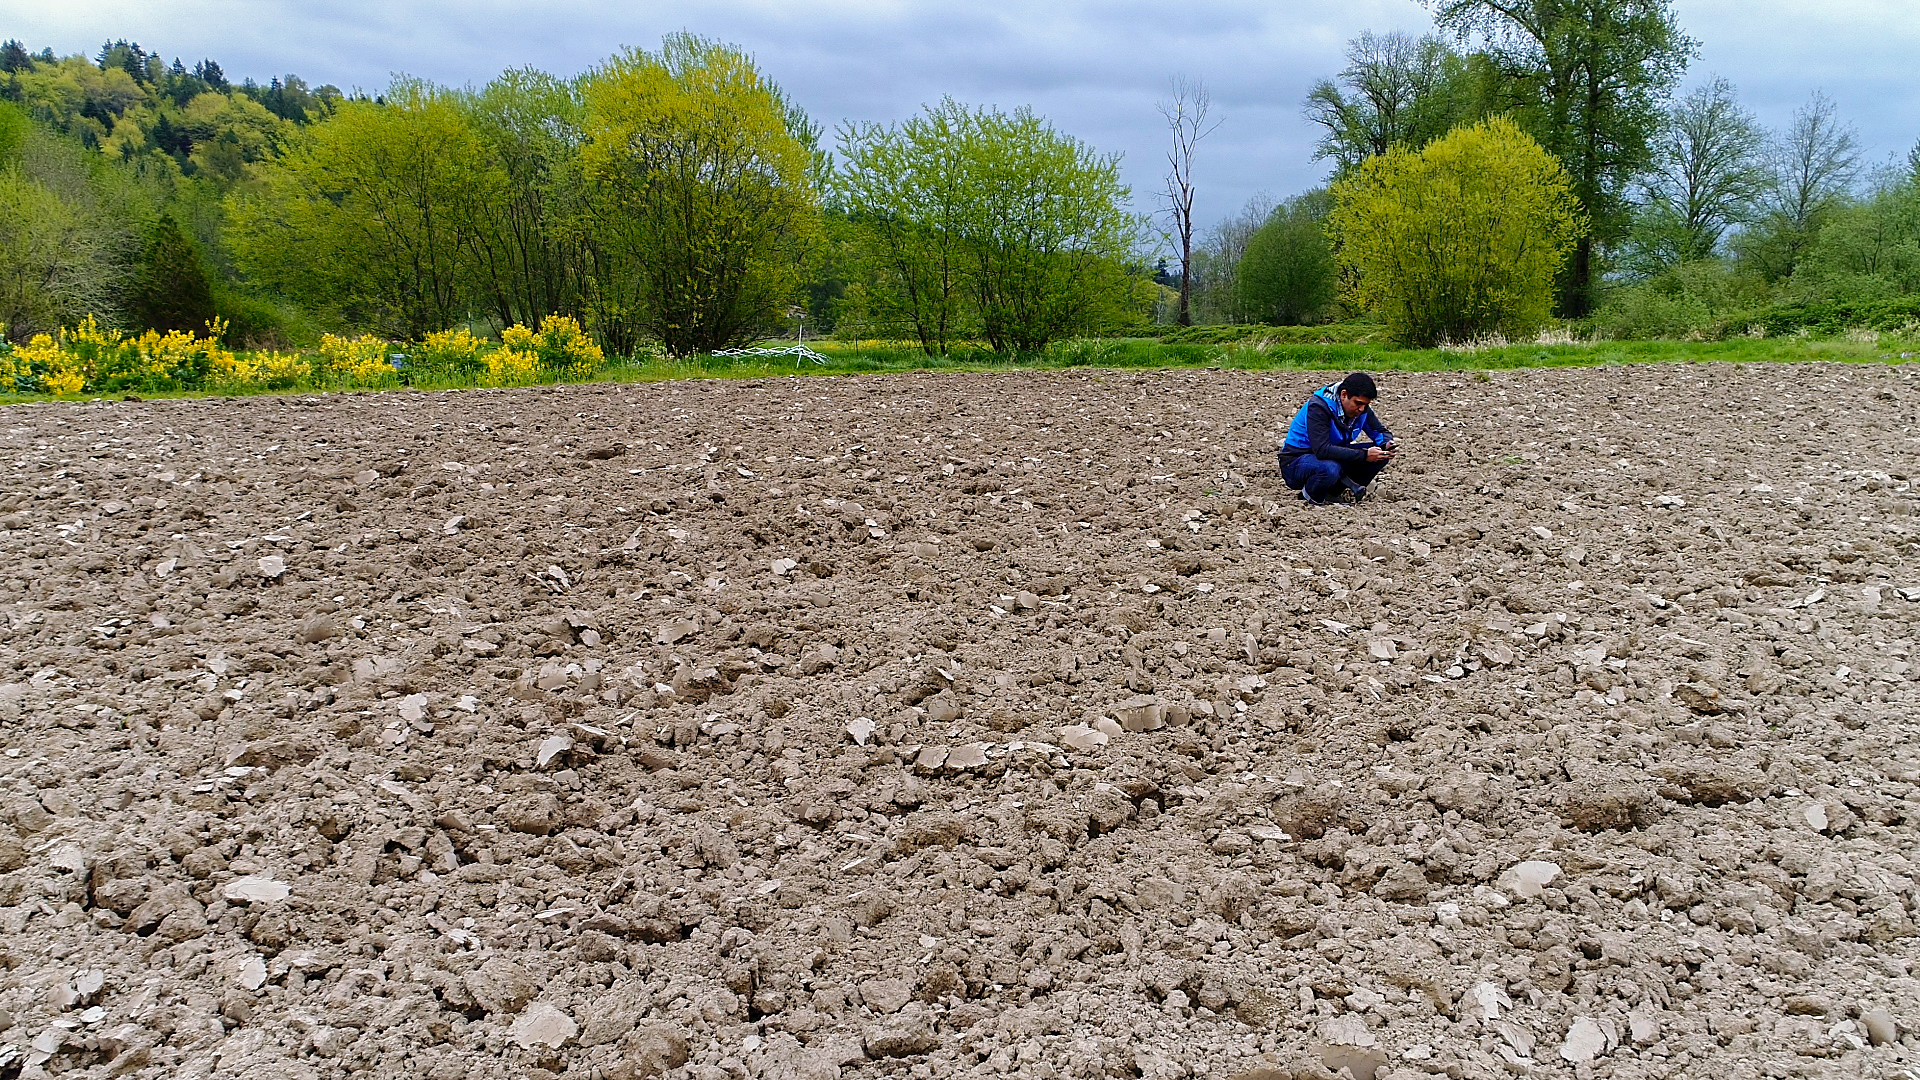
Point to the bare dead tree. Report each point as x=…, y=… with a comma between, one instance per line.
x=1188, y=116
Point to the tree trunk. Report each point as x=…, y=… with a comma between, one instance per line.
x=1186, y=270
x=1577, y=301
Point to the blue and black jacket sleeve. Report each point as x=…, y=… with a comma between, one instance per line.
x=1377, y=430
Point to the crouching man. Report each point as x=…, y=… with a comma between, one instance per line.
x=1335, y=444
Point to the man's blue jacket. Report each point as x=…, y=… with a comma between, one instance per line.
x=1321, y=428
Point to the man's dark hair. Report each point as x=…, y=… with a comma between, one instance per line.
x=1359, y=384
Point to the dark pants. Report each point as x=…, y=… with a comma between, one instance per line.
x=1322, y=480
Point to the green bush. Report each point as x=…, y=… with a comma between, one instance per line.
x=1458, y=241
x=1347, y=333
x=256, y=322
x=1827, y=320
x=1642, y=314
x=1645, y=314
x=1688, y=301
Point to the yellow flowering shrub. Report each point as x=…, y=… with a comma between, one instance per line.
x=266, y=370
x=90, y=357
x=94, y=355
x=361, y=361
x=559, y=346
x=510, y=367
x=153, y=361
x=97, y=359
x=92, y=345
x=175, y=360
x=40, y=366
x=281, y=370
x=455, y=351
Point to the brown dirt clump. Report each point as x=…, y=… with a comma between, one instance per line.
x=963, y=725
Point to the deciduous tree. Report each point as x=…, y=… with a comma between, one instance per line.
x=978, y=223
x=1707, y=175
x=1217, y=259
x=1189, y=117
x=373, y=213
x=1814, y=165
x=911, y=194
x=1396, y=90
x=1459, y=240
x=1050, y=261
x=708, y=192
x=1867, y=249
x=55, y=266
x=1287, y=276
x=530, y=258
x=1589, y=79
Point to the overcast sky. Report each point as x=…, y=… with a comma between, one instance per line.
x=1094, y=69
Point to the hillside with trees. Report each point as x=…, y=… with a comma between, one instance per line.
x=676, y=197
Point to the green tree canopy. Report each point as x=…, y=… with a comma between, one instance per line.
x=69, y=231
x=1707, y=175
x=911, y=194
x=1217, y=258
x=1814, y=165
x=56, y=264
x=1867, y=249
x=14, y=128
x=706, y=193
x=373, y=212
x=1287, y=276
x=1460, y=240
x=979, y=223
x=1396, y=90
x=1589, y=80
x=530, y=258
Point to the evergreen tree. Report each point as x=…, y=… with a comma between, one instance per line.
x=170, y=290
x=168, y=137
x=128, y=57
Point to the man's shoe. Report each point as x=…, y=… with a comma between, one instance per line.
x=1358, y=491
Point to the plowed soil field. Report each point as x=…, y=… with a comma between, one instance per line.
x=934, y=726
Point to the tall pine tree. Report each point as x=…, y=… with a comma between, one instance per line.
x=170, y=287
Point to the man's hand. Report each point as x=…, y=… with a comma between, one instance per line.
x=1376, y=454
x=1391, y=445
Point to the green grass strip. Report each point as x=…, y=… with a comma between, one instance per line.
x=1152, y=353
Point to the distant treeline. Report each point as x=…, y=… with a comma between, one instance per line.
x=679, y=197
x=1701, y=221
x=674, y=196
